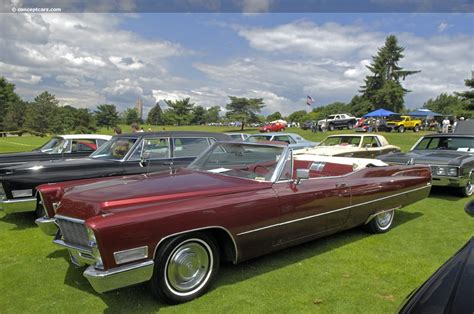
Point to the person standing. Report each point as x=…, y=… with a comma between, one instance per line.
x=117, y=130
x=445, y=125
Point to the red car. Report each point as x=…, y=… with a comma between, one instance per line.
x=273, y=127
x=235, y=202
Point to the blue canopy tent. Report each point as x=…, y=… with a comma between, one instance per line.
x=379, y=113
x=424, y=113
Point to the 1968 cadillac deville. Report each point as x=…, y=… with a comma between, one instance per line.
x=234, y=202
x=122, y=155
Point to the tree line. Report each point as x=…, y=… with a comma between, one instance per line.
x=382, y=89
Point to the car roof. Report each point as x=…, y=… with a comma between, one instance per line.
x=85, y=136
x=275, y=133
x=448, y=135
x=217, y=136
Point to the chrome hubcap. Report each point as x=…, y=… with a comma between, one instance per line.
x=469, y=189
x=188, y=266
x=384, y=219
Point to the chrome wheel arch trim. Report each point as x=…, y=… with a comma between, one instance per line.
x=236, y=251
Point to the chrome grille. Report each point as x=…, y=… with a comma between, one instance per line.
x=73, y=232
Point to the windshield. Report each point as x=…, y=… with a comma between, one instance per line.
x=115, y=149
x=56, y=145
x=395, y=118
x=241, y=160
x=352, y=141
x=462, y=144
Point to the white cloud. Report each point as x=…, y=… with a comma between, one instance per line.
x=443, y=26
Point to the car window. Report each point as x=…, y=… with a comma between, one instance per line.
x=190, y=146
x=152, y=148
x=370, y=141
x=115, y=149
x=83, y=145
x=100, y=142
x=284, y=138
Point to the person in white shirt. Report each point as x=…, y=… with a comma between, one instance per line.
x=446, y=123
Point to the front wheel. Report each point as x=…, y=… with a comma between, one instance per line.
x=381, y=223
x=467, y=190
x=350, y=126
x=331, y=127
x=185, y=267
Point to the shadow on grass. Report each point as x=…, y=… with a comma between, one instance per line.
x=138, y=298
x=445, y=193
x=20, y=221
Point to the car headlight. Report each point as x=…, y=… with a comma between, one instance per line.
x=441, y=171
x=95, y=249
x=453, y=171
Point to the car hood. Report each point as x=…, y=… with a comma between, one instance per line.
x=328, y=150
x=440, y=157
x=131, y=192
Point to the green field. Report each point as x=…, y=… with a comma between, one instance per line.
x=351, y=272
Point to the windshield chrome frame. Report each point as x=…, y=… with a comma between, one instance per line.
x=278, y=168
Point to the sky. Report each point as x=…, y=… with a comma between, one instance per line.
x=86, y=59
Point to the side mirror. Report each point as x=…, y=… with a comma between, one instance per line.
x=469, y=208
x=301, y=174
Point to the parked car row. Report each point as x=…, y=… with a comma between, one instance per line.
x=143, y=208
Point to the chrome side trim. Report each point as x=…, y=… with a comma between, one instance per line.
x=115, y=278
x=200, y=229
x=428, y=185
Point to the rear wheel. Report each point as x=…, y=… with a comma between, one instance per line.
x=416, y=128
x=401, y=129
x=350, y=126
x=185, y=267
x=381, y=223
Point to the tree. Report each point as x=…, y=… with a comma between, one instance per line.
x=131, y=116
x=198, y=115
x=274, y=116
x=297, y=116
x=7, y=97
x=155, y=115
x=359, y=106
x=468, y=97
x=106, y=115
x=212, y=114
x=383, y=88
x=15, y=116
x=42, y=115
x=181, y=110
x=244, y=109
x=447, y=105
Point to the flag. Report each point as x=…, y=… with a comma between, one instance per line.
x=309, y=100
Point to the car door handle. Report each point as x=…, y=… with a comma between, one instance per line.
x=341, y=185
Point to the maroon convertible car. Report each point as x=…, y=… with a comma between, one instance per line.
x=234, y=202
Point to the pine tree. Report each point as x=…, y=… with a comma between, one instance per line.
x=383, y=88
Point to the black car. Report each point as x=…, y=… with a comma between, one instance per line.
x=451, y=157
x=451, y=288
x=122, y=155
x=58, y=147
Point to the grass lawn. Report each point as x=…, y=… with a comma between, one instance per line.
x=350, y=272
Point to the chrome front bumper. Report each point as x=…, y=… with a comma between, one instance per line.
x=107, y=280
x=47, y=225
x=20, y=205
x=449, y=181
x=119, y=277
